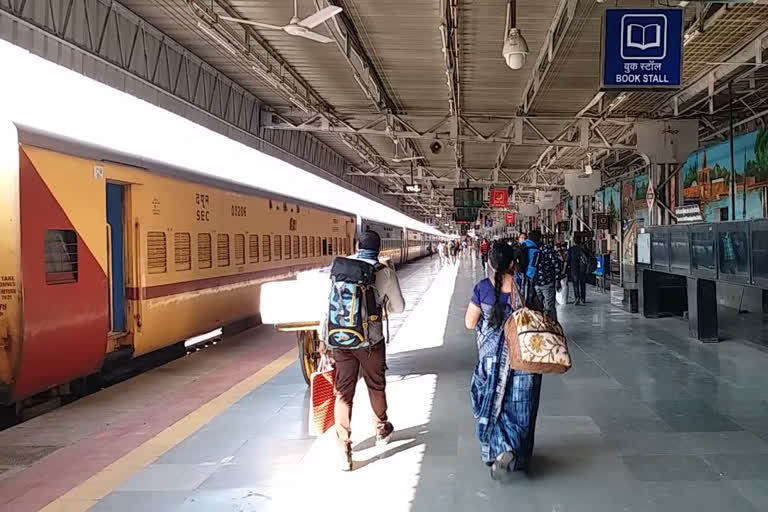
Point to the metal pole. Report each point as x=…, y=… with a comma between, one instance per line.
x=733, y=166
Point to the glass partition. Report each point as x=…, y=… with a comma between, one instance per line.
x=733, y=250
x=660, y=248
x=760, y=250
x=703, y=250
x=680, y=250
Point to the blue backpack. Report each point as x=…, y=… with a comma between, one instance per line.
x=534, y=255
x=353, y=309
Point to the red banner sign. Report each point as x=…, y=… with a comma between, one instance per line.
x=510, y=218
x=499, y=197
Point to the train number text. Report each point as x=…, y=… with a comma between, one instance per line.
x=239, y=211
x=203, y=202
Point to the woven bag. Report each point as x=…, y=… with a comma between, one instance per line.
x=322, y=398
x=536, y=342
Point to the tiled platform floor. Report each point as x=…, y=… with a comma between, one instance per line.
x=647, y=420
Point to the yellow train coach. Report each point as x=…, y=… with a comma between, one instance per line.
x=104, y=256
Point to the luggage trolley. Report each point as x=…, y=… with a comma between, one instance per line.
x=308, y=342
x=297, y=305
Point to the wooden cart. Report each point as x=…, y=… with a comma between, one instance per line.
x=308, y=344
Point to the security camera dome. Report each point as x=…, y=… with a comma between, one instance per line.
x=515, y=49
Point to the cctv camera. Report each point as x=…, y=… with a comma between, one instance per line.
x=515, y=49
x=435, y=147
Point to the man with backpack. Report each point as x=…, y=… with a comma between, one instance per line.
x=532, y=250
x=581, y=263
x=547, y=274
x=363, y=292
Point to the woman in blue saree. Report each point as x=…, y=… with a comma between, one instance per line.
x=504, y=401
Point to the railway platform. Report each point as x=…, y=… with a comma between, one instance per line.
x=647, y=420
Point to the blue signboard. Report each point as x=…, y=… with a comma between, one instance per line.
x=642, y=49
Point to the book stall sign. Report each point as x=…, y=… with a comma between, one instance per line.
x=642, y=49
x=499, y=197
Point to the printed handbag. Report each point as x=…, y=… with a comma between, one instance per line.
x=536, y=341
x=322, y=398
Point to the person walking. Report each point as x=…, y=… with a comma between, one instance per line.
x=578, y=264
x=547, y=275
x=485, y=248
x=505, y=402
x=370, y=357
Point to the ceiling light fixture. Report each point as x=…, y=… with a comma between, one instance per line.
x=515, y=49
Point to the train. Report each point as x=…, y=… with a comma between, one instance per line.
x=106, y=257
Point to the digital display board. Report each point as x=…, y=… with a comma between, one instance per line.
x=468, y=197
x=466, y=215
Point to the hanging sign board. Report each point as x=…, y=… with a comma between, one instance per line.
x=642, y=49
x=650, y=197
x=509, y=218
x=499, y=197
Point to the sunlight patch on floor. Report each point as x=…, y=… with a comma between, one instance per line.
x=425, y=326
x=384, y=479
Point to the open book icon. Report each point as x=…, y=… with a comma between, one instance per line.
x=643, y=37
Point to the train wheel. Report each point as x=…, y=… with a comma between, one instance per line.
x=309, y=359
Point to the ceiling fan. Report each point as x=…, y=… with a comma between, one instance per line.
x=298, y=27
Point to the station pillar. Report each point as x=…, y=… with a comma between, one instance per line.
x=702, y=310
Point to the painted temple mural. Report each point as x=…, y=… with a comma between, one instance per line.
x=707, y=177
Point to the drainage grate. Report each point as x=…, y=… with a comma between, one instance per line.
x=24, y=455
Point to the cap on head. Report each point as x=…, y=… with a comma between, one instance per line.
x=369, y=240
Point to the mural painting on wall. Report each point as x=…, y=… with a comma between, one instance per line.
x=612, y=200
x=707, y=177
x=598, y=205
x=641, y=191
x=628, y=200
x=629, y=239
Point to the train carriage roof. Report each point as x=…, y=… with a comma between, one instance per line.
x=100, y=117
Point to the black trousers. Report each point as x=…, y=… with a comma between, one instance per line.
x=579, y=285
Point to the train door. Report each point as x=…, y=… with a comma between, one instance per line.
x=115, y=256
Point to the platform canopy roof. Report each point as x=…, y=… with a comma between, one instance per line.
x=418, y=91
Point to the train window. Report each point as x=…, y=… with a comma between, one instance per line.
x=296, y=246
x=266, y=248
x=157, y=257
x=311, y=247
x=319, y=247
x=253, y=248
x=204, y=259
x=304, y=252
x=287, y=247
x=239, y=249
x=325, y=247
x=60, y=256
x=330, y=247
x=222, y=250
x=278, y=248
x=182, y=250
x=346, y=246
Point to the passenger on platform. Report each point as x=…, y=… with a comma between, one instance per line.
x=578, y=256
x=547, y=275
x=505, y=402
x=371, y=359
x=485, y=248
x=441, y=252
x=429, y=250
x=532, y=253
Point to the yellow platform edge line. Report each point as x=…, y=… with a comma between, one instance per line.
x=88, y=493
